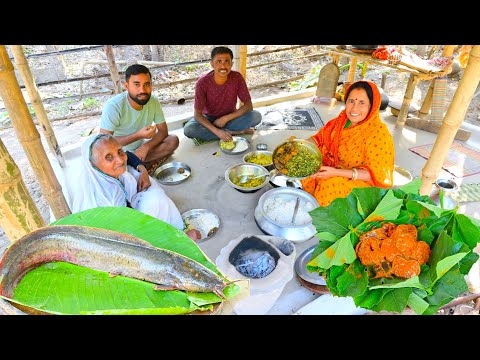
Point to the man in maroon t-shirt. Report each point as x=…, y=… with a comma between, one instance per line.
x=215, y=107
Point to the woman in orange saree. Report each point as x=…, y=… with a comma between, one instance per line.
x=356, y=146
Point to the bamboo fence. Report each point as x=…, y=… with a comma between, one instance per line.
x=29, y=137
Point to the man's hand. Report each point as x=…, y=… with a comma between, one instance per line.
x=147, y=132
x=223, y=135
x=141, y=152
x=143, y=180
x=220, y=122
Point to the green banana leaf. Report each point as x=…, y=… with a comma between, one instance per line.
x=451, y=236
x=62, y=288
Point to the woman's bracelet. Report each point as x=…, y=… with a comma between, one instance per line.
x=354, y=174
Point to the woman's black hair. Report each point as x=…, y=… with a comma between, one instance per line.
x=361, y=85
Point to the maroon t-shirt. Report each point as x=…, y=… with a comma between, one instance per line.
x=218, y=100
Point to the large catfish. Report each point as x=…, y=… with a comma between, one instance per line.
x=105, y=250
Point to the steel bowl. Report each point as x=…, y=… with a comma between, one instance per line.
x=303, y=144
x=237, y=170
x=295, y=233
x=249, y=155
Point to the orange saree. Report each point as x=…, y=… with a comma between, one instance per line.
x=368, y=145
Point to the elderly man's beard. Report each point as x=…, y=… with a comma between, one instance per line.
x=142, y=101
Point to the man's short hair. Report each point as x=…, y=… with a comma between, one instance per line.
x=221, y=50
x=136, y=69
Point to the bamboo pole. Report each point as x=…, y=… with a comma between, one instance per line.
x=112, y=68
x=352, y=70
x=427, y=101
x=243, y=61
x=29, y=137
x=18, y=213
x=36, y=101
x=452, y=121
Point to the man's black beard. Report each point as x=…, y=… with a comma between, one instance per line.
x=138, y=101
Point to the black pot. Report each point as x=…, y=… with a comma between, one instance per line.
x=365, y=47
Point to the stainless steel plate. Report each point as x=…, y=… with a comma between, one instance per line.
x=279, y=180
x=301, y=268
x=205, y=221
x=241, y=146
x=172, y=173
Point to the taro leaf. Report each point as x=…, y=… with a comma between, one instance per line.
x=367, y=199
x=422, y=215
x=444, y=247
x=387, y=209
x=337, y=217
x=465, y=230
x=417, y=304
x=332, y=275
x=467, y=262
x=393, y=300
x=369, y=299
x=425, y=235
x=341, y=252
x=321, y=247
x=447, y=288
x=413, y=282
x=130, y=291
x=435, y=209
x=353, y=282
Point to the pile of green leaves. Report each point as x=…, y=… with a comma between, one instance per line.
x=63, y=288
x=451, y=236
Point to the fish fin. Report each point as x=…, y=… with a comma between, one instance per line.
x=164, y=287
x=113, y=274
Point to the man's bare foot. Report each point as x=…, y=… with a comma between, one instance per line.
x=241, y=132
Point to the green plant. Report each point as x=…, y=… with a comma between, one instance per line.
x=90, y=103
x=309, y=79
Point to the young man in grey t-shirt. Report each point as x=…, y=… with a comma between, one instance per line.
x=135, y=118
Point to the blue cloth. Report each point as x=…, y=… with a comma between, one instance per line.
x=193, y=129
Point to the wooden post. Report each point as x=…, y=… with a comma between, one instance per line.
x=452, y=121
x=112, y=68
x=240, y=62
x=411, y=85
x=36, y=101
x=29, y=137
x=427, y=101
x=18, y=213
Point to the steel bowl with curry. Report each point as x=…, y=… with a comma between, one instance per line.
x=297, y=158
